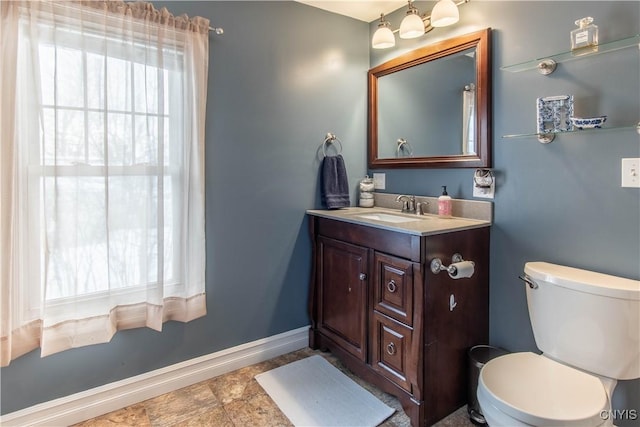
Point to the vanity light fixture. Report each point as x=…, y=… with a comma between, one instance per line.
x=444, y=13
x=383, y=37
x=412, y=25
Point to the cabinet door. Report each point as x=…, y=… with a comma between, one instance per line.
x=343, y=294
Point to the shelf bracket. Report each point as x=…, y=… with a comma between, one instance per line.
x=546, y=138
x=547, y=66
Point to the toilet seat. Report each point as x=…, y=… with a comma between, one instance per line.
x=536, y=390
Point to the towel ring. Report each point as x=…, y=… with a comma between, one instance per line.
x=330, y=139
x=403, y=144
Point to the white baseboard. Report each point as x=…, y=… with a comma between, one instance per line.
x=110, y=397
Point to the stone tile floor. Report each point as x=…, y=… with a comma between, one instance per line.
x=237, y=400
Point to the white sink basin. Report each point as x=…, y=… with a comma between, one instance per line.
x=381, y=216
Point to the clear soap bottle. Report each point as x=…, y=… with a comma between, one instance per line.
x=584, y=39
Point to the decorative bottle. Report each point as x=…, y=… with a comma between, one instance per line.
x=366, y=192
x=584, y=39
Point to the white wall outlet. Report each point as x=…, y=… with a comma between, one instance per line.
x=631, y=173
x=484, y=192
x=379, y=181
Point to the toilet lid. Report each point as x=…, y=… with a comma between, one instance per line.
x=539, y=391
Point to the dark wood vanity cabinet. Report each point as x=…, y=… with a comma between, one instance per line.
x=376, y=304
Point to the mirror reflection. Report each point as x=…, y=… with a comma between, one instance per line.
x=410, y=125
x=430, y=107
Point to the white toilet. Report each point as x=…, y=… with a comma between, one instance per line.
x=588, y=327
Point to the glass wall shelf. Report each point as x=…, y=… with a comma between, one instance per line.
x=546, y=65
x=551, y=135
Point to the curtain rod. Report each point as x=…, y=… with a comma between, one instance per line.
x=217, y=30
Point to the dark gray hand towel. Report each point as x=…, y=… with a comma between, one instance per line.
x=335, y=187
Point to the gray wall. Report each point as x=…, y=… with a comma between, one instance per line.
x=277, y=85
x=562, y=202
x=282, y=76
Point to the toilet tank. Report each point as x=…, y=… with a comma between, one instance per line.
x=585, y=319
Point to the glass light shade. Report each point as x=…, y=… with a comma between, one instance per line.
x=383, y=38
x=411, y=26
x=444, y=13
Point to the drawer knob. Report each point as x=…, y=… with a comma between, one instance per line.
x=391, y=286
x=362, y=276
x=391, y=348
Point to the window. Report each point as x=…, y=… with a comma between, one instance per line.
x=105, y=152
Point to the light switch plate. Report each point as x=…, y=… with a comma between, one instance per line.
x=631, y=173
x=379, y=181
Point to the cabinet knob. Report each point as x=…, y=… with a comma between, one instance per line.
x=391, y=286
x=363, y=276
x=391, y=348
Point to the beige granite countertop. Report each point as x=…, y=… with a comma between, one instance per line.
x=421, y=225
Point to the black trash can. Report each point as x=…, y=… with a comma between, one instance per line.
x=479, y=355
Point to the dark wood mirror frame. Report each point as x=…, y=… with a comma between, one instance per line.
x=481, y=40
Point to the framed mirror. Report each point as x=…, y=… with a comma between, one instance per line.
x=431, y=107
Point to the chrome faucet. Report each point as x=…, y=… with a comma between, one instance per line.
x=408, y=203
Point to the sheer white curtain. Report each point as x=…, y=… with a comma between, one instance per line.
x=102, y=171
x=469, y=119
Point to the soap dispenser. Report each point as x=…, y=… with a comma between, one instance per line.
x=444, y=203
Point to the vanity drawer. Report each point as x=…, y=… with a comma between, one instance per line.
x=393, y=287
x=391, y=349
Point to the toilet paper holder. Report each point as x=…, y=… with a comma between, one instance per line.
x=437, y=266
